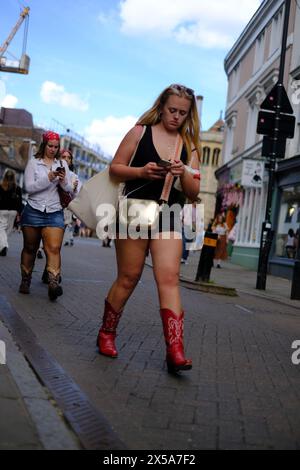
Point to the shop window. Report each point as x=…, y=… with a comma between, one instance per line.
x=287, y=237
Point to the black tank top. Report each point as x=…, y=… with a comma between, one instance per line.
x=146, y=152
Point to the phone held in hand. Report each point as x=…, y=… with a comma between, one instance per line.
x=61, y=169
x=164, y=163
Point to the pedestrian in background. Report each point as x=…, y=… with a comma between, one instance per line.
x=76, y=186
x=43, y=216
x=66, y=155
x=172, y=119
x=220, y=227
x=291, y=244
x=10, y=207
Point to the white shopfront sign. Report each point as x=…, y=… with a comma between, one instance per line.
x=252, y=173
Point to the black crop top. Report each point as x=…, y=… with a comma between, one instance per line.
x=146, y=152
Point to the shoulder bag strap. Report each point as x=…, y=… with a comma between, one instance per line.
x=170, y=178
x=122, y=185
x=141, y=136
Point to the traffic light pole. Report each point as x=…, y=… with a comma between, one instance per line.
x=267, y=232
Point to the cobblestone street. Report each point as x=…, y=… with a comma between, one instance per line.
x=242, y=393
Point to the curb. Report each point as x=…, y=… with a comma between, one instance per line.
x=52, y=430
x=203, y=286
x=208, y=287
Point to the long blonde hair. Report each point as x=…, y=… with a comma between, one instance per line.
x=190, y=130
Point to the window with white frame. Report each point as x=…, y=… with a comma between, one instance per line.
x=259, y=52
x=276, y=31
x=250, y=217
x=234, y=81
x=229, y=135
x=251, y=125
x=254, y=98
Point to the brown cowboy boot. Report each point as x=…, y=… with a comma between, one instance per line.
x=26, y=280
x=45, y=279
x=107, y=333
x=173, y=331
x=54, y=289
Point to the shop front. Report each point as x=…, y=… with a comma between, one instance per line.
x=243, y=198
x=287, y=218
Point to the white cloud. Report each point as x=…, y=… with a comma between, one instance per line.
x=202, y=23
x=9, y=101
x=51, y=92
x=109, y=132
x=6, y=100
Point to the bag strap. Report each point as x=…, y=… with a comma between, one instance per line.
x=122, y=185
x=170, y=178
x=140, y=138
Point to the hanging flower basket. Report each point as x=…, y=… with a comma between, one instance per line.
x=232, y=195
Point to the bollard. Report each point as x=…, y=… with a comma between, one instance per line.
x=206, y=261
x=295, y=291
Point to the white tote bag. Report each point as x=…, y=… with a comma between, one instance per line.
x=100, y=189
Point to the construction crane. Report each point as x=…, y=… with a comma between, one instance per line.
x=23, y=63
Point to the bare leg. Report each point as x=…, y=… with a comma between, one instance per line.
x=32, y=238
x=52, y=241
x=130, y=259
x=166, y=255
x=131, y=256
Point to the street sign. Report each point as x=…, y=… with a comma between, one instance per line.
x=267, y=147
x=269, y=103
x=252, y=173
x=266, y=124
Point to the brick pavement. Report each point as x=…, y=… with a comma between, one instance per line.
x=244, y=280
x=242, y=393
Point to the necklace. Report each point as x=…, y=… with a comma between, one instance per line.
x=167, y=143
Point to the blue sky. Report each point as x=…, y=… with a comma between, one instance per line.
x=97, y=65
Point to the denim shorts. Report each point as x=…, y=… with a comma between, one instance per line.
x=33, y=218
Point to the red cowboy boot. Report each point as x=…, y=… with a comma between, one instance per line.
x=173, y=331
x=107, y=333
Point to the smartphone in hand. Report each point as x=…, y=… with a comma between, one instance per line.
x=61, y=169
x=164, y=163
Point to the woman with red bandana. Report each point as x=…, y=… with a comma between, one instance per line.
x=43, y=216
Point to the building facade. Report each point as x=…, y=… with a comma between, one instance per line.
x=19, y=140
x=17, y=137
x=211, y=146
x=252, y=68
x=88, y=159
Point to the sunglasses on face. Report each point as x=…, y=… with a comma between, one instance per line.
x=182, y=88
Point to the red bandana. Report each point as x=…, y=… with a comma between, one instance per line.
x=50, y=136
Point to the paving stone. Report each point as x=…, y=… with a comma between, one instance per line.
x=242, y=393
